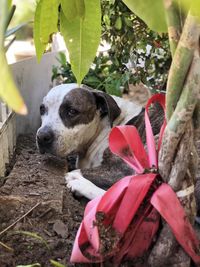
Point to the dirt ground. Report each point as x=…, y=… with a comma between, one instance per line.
x=39, y=216
x=36, y=186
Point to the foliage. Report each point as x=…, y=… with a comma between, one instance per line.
x=152, y=14
x=129, y=38
x=101, y=75
x=127, y=60
x=24, y=13
x=83, y=30
x=11, y=31
x=8, y=90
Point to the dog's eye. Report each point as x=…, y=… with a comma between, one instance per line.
x=72, y=112
x=42, y=109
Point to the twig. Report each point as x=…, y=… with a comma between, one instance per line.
x=5, y=246
x=10, y=226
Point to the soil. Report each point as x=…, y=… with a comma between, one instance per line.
x=36, y=186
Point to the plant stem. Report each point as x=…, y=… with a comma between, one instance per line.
x=182, y=114
x=173, y=23
x=196, y=116
x=181, y=62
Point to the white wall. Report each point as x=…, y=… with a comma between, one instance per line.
x=34, y=81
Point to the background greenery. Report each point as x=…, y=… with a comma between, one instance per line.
x=136, y=54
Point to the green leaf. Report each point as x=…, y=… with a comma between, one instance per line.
x=9, y=3
x=151, y=12
x=56, y=264
x=45, y=23
x=3, y=19
x=10, y=15
x=30, y=265
x=187, y=4
x=82, y=37
x=33, y=235
x=48, y=19
x=80, y=7
x=69, y=9
x=39, y=46
x=8, y=89
x=118, y=23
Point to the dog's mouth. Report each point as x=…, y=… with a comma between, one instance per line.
x=45, y=149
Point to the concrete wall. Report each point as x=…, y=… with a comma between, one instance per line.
x=34, y=81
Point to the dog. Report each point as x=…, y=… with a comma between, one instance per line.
x=76, y=120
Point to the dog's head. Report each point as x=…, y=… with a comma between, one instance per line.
x=71, y=117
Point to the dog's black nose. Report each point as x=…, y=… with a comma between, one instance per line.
x=45, y=136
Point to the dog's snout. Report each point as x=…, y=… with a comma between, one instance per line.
x=45, y=136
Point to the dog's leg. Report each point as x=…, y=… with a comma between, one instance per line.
x=81, y=186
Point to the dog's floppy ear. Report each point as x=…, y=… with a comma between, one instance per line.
x=107, y=106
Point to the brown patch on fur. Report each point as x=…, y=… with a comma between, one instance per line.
x=82, y=103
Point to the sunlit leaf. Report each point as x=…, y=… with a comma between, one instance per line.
x=9, y=3
x=45, y=23
x=48, y=19
x=69, y=9
x=8, y=89
x=194, y=5
x=39, y=46
x=151, y=12
x=3, y=19
x=80, y=7
x=82, y=37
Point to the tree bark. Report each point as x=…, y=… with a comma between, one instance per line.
x=181, y=62
x=178, y=157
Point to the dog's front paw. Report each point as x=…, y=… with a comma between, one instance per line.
x=81, y=186
x=75, y=182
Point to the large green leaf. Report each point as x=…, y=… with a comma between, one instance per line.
x=72, y=9
x=45, y=23
x=9, y=3
x=82, y=37
x=69, y=9
x=150, y=11
x=80, y=7
x=3, y=19
x=8, y=90
x=194, y=5
x=39, y=46
x=48, y=19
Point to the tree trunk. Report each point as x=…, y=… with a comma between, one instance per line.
x=178, y=157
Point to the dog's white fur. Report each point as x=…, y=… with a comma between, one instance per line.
x=93, y=135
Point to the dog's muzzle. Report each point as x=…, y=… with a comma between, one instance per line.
x=45, y=139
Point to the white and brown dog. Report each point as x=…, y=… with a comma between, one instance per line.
x=78, y=121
